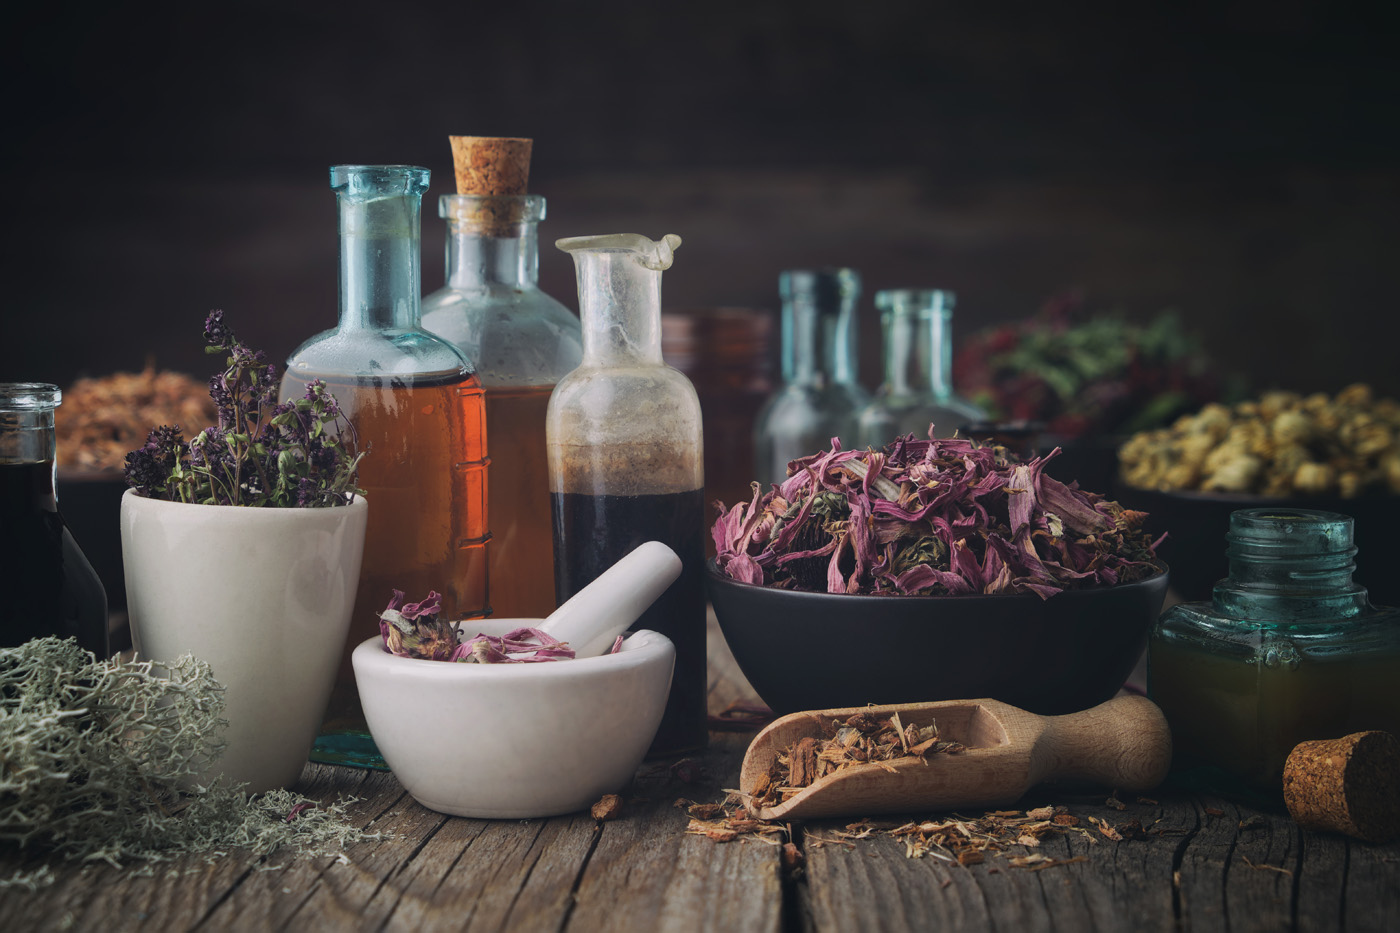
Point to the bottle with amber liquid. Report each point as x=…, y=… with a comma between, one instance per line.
x=416, y=407
x=1289, y=650
x=522, y=342
x=49, y=586
x=626, y=459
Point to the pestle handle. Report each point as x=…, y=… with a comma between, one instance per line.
x=592, y=618
x=1123, y=743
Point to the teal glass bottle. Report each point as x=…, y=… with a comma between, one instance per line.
x=1289, y=650
x=522, y=342
x=416, y=406
x=49, y=586
x=918, y=389
x=819, y=398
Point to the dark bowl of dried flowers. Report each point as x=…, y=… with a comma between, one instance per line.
x=933, y=570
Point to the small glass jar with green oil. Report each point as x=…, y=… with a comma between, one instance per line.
x=1289, y=649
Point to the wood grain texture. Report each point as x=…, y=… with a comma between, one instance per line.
x=1196, y=870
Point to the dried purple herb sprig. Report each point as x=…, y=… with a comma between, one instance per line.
x=930, y=517
x=300, y=453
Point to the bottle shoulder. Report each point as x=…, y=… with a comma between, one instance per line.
x=1202, y=624
x=513, y=336
x=365, y=352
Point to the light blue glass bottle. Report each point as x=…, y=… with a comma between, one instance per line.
x=523, y=342
x=820, y=397
x=1289, y=650
x=918, y=387
x=416, y=407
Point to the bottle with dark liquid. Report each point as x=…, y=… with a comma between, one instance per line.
x=626, y=459
x=416, y=407
x=49, y=586
x=522, y=342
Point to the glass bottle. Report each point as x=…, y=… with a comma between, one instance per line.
x=49, y=586
x=819, y=398
x=522, y=342
x=416, y=407
x=918, y=386
x=1289, y=649
x=625, y=459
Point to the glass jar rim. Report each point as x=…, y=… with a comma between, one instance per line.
x=921, y=301
x=29, y=396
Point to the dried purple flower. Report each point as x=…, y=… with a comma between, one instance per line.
x=931, y=516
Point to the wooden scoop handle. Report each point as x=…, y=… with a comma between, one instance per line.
x=1124, y=743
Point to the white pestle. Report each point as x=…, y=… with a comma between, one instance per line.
x=592, y=618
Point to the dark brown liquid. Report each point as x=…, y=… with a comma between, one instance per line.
x=591, y=533
x=521, y=545
x=424, y=476
x=48, y=586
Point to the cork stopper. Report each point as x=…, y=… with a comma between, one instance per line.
x=491, y=165
x=1347, y=785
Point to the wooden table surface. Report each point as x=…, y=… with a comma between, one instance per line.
x=642, y=871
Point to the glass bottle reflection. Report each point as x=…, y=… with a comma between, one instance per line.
x=918, y=391
x=819, y=398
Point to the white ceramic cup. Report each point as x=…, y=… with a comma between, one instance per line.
x=262, y=594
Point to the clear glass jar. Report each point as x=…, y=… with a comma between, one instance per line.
x=522, y=342
x=1289, y=650
x=918, y=387
x=626, y=458
x=49, y=586
x=416, y=406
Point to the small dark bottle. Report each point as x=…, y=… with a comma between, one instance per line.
x=49, y=587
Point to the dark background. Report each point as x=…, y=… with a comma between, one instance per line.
x=1234, y=161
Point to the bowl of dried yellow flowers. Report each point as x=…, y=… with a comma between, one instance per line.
x=1336, y=453
x=933, y=569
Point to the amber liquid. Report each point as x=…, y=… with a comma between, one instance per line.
x=424, y=475
x=522, y=542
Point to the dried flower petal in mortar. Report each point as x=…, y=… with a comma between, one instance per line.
x=413, y=630
x=931, y=517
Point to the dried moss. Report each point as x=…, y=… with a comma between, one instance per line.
x=98, y=761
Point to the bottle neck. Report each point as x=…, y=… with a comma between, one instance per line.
x=620, y=308
x=380, y=274
x=919, y=354
x=1292, y=566
x=818, y=344
x=476, y=260
x=26, y=422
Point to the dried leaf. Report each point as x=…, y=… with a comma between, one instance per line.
x=607, y=808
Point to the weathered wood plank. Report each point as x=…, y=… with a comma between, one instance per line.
x=1372, y=899
x=1242, y=879
x=646, y=873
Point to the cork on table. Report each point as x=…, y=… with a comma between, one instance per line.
x=1202, y=863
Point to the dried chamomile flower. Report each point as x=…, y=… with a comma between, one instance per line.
x=1282, y=445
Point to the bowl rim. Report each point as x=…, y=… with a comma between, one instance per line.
x=713, y=572
x=641, y=648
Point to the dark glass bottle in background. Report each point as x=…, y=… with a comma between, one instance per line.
x=48, y=586
x=626, y=453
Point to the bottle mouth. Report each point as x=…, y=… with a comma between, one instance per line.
x=1297, y=542
x=923, y=302
x=490, y=210
x=820, y=285
x=29, y=396
x=379, y=180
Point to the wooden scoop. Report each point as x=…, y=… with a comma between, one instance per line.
x=1123, y=743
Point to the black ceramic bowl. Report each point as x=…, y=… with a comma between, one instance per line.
x=1196, y=523
x=804, y=650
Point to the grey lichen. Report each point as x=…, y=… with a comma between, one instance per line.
x=98, y=761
